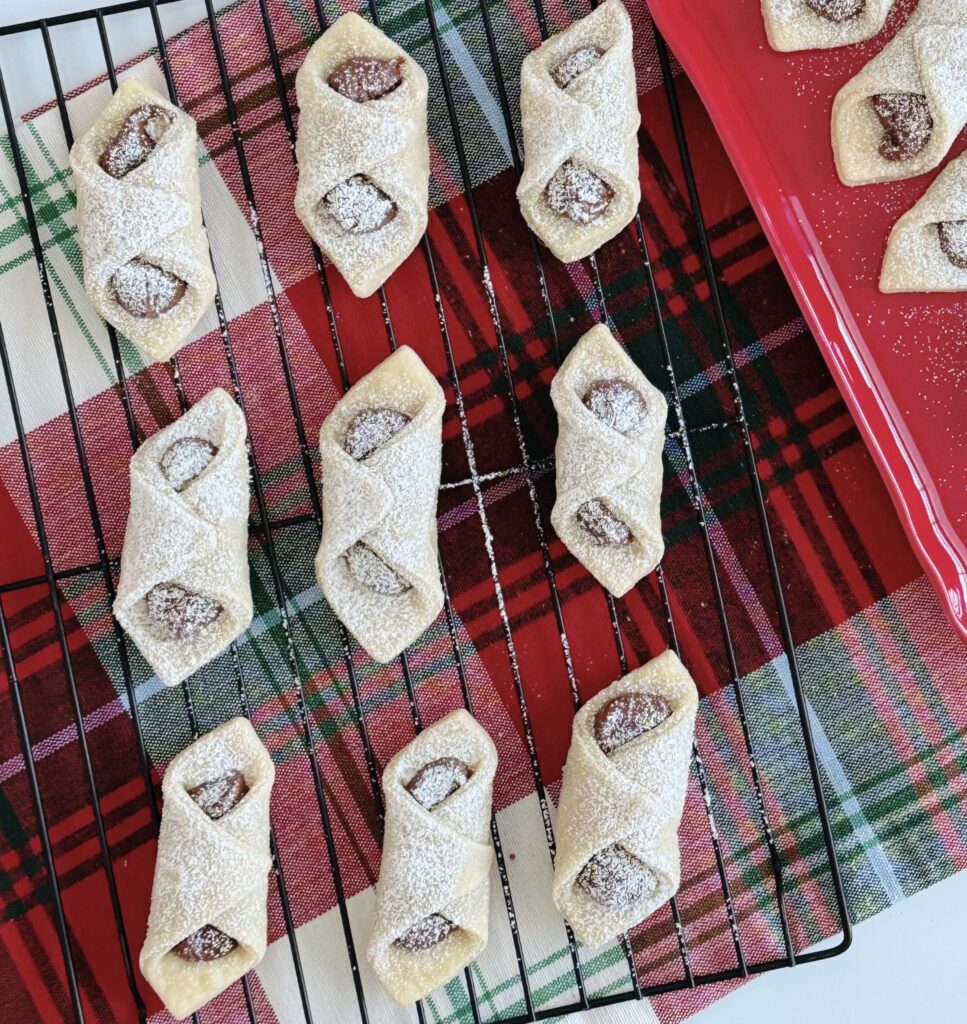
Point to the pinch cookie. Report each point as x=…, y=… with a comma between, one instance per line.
x=364, y=159
x=579, y=115
x=147, y=268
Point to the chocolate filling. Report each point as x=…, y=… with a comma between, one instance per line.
x=603, y=525
x=576, y=192
x=616, y=878
x=136, y=139
x=575, y=64
x=953, y=241
x=907, y=124
x=181, y=614
x=626, y=717
x=146, y=291
x=438, y=779
x=616, y=403
x=216, y=797
x=205, y=945
x=425, y=934
x=370, y=570
x=837, y=10
x=187, y=459
x=358, y=206
x=362, y=79
x=371, y=429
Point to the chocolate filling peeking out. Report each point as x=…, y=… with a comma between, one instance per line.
x=626, y=717
x=837, y=10
x=205, y=945
x=576, y=192
x=438, y=779
x=362, y=79
x=603, y=525
x=616, y=878
x=216, y=797
x=181, y=614
x=425, y=934
x=907, y=124
x=187, y=459
x=575, y=64
x=358, y=206
x=369, y=569
x=136, y=139
x=146, y=291
x=370, y=429
x=616, y=403
x=953, y=241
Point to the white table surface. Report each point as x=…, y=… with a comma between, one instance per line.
x=906, y=965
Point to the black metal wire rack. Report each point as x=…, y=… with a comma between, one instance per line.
x=106, y=563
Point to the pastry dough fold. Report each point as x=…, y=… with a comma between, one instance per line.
x=152, y=213
x=196, y=538
x=793, y=25
x=210, y=871
x=434, y=861
x=387, y=501
x=633, y=797
x=928, y=57
x=594, y=121
x=914, y=260
x=383, y=139
x=596, y=462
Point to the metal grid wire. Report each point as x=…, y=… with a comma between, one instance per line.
x=528, y=470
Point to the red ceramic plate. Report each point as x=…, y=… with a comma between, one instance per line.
x=900, y=361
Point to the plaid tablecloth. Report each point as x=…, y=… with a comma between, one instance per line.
x=883, y=671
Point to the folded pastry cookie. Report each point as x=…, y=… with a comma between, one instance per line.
x=611, y=425
x=927, y=250
x=899, y=116
x=364, y=159
x=822, y=24
x=207, y=924
x=184, y=592
x=622, y=796
x=432, y=898
x=579, y=114
x=380, y=454
x=146, y=264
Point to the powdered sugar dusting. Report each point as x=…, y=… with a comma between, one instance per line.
x=617, y=403
x=576, y=192
x=187, y=459
x=425, y=934
x=575, y=64
x=953, y=241
x=603, y=525
x=179, y=613
x=370, y=429
x=370, y=570
x=146, y=290
x=625, y=718
x=616, y=878
x=358, y=206
x=136, y=139
x=435, y=781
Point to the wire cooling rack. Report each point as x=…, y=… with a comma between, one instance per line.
x=638, y=986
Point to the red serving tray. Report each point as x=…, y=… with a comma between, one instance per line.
x=900, y=360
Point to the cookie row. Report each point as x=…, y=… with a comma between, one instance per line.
x=363, y=158
x=896, y=119
x=184, y=593
x=617, y=861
